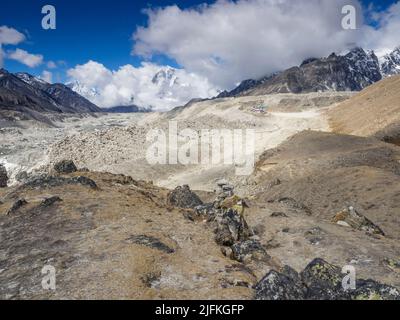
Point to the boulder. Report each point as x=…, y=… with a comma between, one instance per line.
x=323, y=281
x=372, y=290
x=16, y=206
x=45, y=181
x=183, y=197
x=352, y=218
x=248, y=250
x=3, y=177
x=285, y=285
x=224, y=190
x=230, y=228
x=65, y=166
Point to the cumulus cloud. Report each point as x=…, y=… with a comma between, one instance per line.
x=383, y=38
x=150, y=85
x=22, y=56
x=229, y=41
x=10, y=36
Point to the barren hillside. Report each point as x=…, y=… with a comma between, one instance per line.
x=370, y=112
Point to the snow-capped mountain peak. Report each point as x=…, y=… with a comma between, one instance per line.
x=390, y=63
x=165, y=78
x=80, y=88
x=28, y=78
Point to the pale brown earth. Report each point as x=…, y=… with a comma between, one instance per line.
x=319, y=175
x=304, y=176
x=86, y=238
x=375, y=109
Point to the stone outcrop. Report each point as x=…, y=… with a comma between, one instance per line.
x=230, y=228
x=3, y=177
x=351, y=218
x=183, y=197
x=65, y=166
x=320, y=280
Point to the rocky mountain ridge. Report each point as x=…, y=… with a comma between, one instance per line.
x=351, y=72
x=23, y=96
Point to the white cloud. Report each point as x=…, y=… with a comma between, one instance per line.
x=130, y=85
x=51, y=65
x=1, y=57
x=47, y=76
x=22, y=56
x=230, y=41
x=384, y=38
x=10, y=36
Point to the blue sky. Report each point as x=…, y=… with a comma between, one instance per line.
x=90, y=30
x=86, y=30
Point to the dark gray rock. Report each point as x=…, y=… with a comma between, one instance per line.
x=183, y=197
x=351, y=72
x=372, y=290
x=248, y=250
x=85, y=181
x=151, y=242
x=16, y=206
x=21, y=176
x=281, y=286
x=319, y=281
x=324, y=281
x=65, y=166
x=231, y=228
x=278, y=215
x=202, y=212
x=45, y=181
x=3, y=177
x=50, y=201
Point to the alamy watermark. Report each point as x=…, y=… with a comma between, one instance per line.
x=206, y=147
x=49, y=20
x=349, y=280
x=49, y=277
x=349, y=21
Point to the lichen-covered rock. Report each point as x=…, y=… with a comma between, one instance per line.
x=231, y=228
x=206, y=211
x=65, y=166
x=323, y=280
x=286, y=285
x=45, y=181
x=356, y=220
x=183, y=197
x=372, y=290
x=249, y=250
x=320, y=280
x=3, y=177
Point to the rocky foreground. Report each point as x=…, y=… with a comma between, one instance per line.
x=109, y=236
